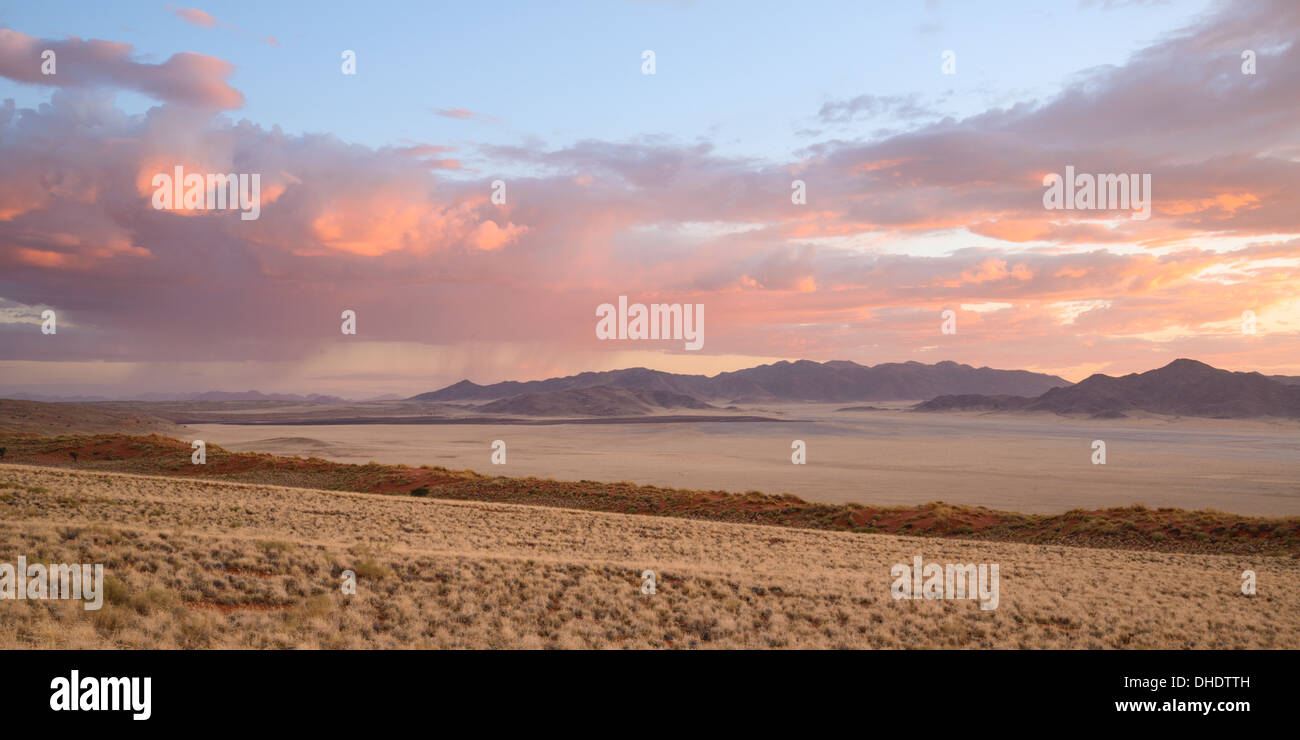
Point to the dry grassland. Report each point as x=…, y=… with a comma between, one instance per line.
x=34, y=417
x=199, y=564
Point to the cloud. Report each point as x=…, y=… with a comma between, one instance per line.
x=1113, y=4
x=901, y=107
x=462, y=114
x=194, y=16
x=203, y=19
x=414, y=243
x=185, y=78
x=488, y=236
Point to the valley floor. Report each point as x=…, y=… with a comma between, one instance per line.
x=1030, y=463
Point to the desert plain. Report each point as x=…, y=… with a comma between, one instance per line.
x=1032, y=463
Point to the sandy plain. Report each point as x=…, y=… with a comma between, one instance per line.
x=1034, y=463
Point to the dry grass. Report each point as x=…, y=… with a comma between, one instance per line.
x=35, y=417
x=445, y=574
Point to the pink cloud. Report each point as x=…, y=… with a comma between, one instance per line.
x=196, y=17
x=185, y=78
x=463, y=114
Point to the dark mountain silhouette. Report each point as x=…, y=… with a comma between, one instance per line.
x=598, y=401
x=837, y=381
x=1181, y=388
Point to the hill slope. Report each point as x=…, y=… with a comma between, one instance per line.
x=38, y=417
x=1181, y=388
x=197, y=564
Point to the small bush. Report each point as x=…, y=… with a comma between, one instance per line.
x=319, y=605
x=115, y=590
x=370, y=568
x=153, y=600
x=274, y=545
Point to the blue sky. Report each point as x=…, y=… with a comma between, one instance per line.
x=749, y=77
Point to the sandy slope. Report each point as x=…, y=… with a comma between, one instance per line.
x=197, y=564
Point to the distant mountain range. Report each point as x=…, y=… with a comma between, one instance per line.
x=205, y=396
x=1184, y=387
x=1181, y=388
x=251, y=396
x=602, y=400
x=831, y=382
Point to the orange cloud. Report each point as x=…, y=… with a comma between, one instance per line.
x=488, y=236
x=42, y=258
x=1228, y=202
x=370, y=228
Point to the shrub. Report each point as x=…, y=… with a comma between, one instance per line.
x=370, y=568
x=115, y=590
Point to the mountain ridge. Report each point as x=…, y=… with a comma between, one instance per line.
x=1184, y=387
x=801, y=380
x=600, y=400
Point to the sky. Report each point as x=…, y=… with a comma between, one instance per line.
x=921, y=133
